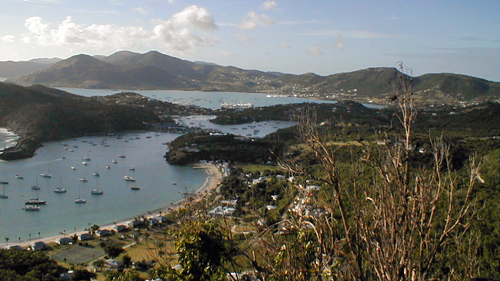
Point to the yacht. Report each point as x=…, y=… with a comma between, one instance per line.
x=135, y=188
x=128, y=178
x=31, y=208
x=45, y=175
x=80, y=199
x=35, y=201
x=19, y=177
x=83, y=179
x=96, y=192
x=96, y=174
x=132, y=168
x=59, y=190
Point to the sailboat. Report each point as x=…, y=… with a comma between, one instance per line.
x=74, y=164
x=3, y=193
x=97, y=191
x=35, y=201
x=31, y=208
x=122, y=155
x=60, y=189
x=80, y=199
x=45, y=174
x=3, y=182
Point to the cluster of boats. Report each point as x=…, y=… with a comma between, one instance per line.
x=33, y=204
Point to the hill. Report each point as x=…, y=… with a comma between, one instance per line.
x=40, y=114
x=154, y=70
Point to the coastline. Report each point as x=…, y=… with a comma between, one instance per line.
x=214, y=178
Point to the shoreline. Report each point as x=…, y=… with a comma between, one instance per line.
x=214, y=178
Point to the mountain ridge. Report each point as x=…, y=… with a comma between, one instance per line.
x=154, y=70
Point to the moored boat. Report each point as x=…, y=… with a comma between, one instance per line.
x=96, y=192
x=59, y=190
x=128, y=178
x=31, y=208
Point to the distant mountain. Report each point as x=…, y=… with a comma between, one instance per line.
x=10, y=69
x=83, y=71
x=40, y=114
x=46, y=60
x=154, y=70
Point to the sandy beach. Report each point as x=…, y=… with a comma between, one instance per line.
x=214, y=178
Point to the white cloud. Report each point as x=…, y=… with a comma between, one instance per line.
x=243, y=37
x=252, y=20
x=141, y=10
x=314, y=50
x=68, y=32
x=8, y=38
x=183, y=32
x=171, y=1
x=195, y=17
x=269, y=5
x=180, y=33
x=285, y=45
x=340, y=42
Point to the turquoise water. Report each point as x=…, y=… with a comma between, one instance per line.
x=144, y=151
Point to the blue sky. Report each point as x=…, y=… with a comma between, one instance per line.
x=324, y=37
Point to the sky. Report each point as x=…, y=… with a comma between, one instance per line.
x=290, y=36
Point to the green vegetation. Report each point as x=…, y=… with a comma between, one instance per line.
x=28, y=265
x=193, y=147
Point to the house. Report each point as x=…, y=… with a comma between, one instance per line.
x=119, y=228
x=153, y=221
x=13, y=247
x=222, y=211
x=64, y=240
x=161, y=219
x=38, y=246
x=113, y=263
x=84, y=236
x=66, y=275
x=103, y=232
x=135, y=223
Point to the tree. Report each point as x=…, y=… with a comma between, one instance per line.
x=127, y=261
x=82, y=275
x=380, y=218
x=28, y=265
x=113, y=250
x=99, y=264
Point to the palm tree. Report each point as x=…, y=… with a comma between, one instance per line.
x=7, y=241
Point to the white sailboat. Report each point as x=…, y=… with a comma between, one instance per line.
x=128, y=178
x=97, y=191
x=122, y=155
x=80, y=199
x=60, y=189
x=31, y=208
x=36, y=200
x=46, y=174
